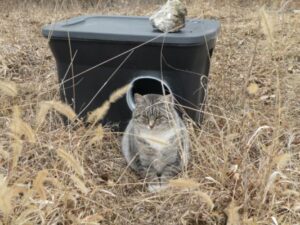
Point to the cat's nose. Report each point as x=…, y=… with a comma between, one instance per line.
x=151, y=124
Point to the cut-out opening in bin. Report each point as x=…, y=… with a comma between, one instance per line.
x=146, y=85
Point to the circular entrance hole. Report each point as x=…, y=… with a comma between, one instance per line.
x=146, y=85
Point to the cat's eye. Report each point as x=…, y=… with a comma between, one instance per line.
x=145, y=118
x=137, y=116
x=161, y=117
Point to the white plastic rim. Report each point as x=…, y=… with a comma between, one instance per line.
x=129, y=94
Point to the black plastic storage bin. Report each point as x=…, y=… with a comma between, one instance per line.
x=108, y=52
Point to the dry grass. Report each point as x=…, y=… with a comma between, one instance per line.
x=245, y=159
x=98, y=114
x=46, y=106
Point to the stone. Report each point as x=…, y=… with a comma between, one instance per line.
x=170, y=17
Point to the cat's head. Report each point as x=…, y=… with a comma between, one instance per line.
x=153, y=112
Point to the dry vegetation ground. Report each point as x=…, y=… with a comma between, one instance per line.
x=245, y=164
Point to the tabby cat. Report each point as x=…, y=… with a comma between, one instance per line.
x=156, y=142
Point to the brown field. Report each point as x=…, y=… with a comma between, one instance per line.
x=245, y=159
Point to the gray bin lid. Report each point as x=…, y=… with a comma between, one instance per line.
x=130, y=29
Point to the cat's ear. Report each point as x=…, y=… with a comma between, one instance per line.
x=138, y=98
x=167, y=98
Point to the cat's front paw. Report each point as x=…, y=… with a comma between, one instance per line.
x=157, y=187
